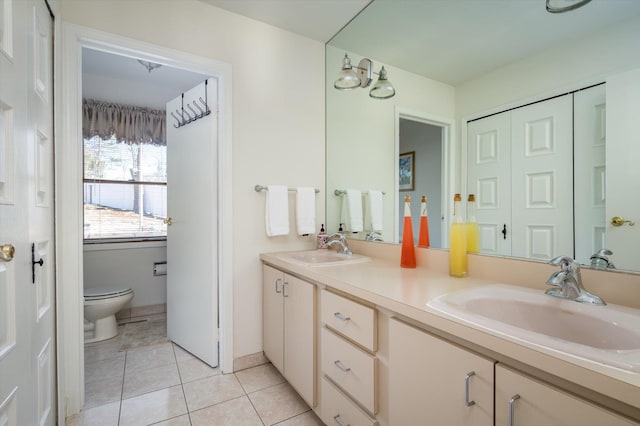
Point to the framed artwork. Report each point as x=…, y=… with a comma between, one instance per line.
x=407, y=171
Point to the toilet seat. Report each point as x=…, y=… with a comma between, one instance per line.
x=102, y=294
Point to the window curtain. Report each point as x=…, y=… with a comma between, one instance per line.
x=129, y=124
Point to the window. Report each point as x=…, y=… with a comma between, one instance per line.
x=125, y=189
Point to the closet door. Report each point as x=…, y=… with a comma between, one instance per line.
x=589, y=171
x=489, y=177
x=542, y=179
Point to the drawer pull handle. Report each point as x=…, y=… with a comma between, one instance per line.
x=341, y=317
x=278, y=291
x=284, y=287
x=512, y=409
x=341, y=366
x=336, y=419
x=467, y=378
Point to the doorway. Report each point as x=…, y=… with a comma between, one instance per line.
x=70, y=223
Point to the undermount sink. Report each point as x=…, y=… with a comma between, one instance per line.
x=322, y=258
x=606, y=334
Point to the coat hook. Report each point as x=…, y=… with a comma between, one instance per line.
x=194, y=112
x=206, y=107
x=202, y=112
x=190, y=119
x=177, y=119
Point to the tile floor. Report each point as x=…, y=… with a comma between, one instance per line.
x=165, y=385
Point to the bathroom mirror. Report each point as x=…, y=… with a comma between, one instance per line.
x=452, y=62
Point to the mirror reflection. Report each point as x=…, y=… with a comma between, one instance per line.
x=484, y=88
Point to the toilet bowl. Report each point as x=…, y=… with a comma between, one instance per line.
x=100, y=308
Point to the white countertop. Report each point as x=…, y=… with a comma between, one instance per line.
x=407, y=291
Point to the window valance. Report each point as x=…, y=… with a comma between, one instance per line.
x=129, y=124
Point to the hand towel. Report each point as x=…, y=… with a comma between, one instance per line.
x=306, y=210
x=277, y=210
x=373, y=208
x=351, y=214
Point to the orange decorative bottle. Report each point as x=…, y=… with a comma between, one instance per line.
x=457, y=242
x=423, y=238
x=408, y=257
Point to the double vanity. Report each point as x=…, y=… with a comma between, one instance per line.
x=365, y=342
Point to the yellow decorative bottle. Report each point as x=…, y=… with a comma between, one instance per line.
x=457, y=242
x=473, y=234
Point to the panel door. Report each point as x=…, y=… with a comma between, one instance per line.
x=542, y=179
x=589, y=137
x=489, y=178
x=534, y=403
x=192, y=238
x=623, y=173
x=300, y=336
x=27, y=317
x=429, y=378
x=273, y=316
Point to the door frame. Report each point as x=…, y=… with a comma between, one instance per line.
x=447, y=161
x=69, y=201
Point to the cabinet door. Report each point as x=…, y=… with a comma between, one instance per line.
x=435, y=382
x=534, y=403
x=273, y=316
x=299, y=336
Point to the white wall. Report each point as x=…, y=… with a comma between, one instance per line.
x=122, y=265
x=361, y=132
x=278, y=118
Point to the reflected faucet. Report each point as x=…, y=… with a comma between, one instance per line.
x=599, y=260
x=373, y=236
x=567, y=283
x=340, y=240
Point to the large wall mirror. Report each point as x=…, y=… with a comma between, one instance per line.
x=459, y=65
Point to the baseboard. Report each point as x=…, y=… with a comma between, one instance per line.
x=248, y=361
x=132, y=314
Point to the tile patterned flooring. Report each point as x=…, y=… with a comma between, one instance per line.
x=166, y=385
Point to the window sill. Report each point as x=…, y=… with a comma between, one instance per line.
x=101, y=245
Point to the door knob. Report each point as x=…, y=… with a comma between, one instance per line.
x=618, y=221
x=7, y=251
x=168, y=221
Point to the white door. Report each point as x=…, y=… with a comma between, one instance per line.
x=192, y=237
x=27, y=317
x=489, y=178
x=589, y=171
x=542, y=179
x=623, y=173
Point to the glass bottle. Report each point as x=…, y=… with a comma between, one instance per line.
x=473, y=234
x=457, y=241
x=423, y=238
x=408, y=256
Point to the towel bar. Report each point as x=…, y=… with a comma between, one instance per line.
x=259, y=188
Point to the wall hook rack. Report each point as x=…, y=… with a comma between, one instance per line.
x=185, y=116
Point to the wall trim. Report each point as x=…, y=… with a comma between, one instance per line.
x=69, y=246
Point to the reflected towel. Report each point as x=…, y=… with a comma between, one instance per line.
x=373, y=209
x=277, y=210
x=306, y=210
x=351, y=214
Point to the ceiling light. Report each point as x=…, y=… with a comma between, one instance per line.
x=150, y=66
x=560, y=6
x=349, y=78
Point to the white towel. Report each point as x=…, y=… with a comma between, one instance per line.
x=306, y=210
x=277, y=210
x=373, y=209
x=351, y=214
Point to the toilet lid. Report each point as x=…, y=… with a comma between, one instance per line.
x=101, y=293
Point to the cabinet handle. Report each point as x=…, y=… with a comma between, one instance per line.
x=284, y=284
x=336, y=419
x=467, y=378
x=341, y=366
x=341, y=317
x=278, y=291
x=512, y=409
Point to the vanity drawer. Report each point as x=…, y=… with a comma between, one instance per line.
x=356, y=321
x=351, y=368
x=338, y=409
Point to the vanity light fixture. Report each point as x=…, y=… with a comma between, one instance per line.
x=560, y=6
x=150, y=66
x=351, y=77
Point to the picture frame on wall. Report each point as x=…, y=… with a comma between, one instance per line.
x=407, y=171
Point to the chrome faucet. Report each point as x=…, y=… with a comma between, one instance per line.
x=340, y=240
x=373, y=236
x=599, y=260
x=567, y=283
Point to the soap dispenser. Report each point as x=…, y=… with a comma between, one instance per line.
x=457, y=242
x=321, y=238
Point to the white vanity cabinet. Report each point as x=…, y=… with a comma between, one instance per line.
x=432, y=381
x=524, y=401
x=289, y=329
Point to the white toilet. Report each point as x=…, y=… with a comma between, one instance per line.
x=100, y=308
